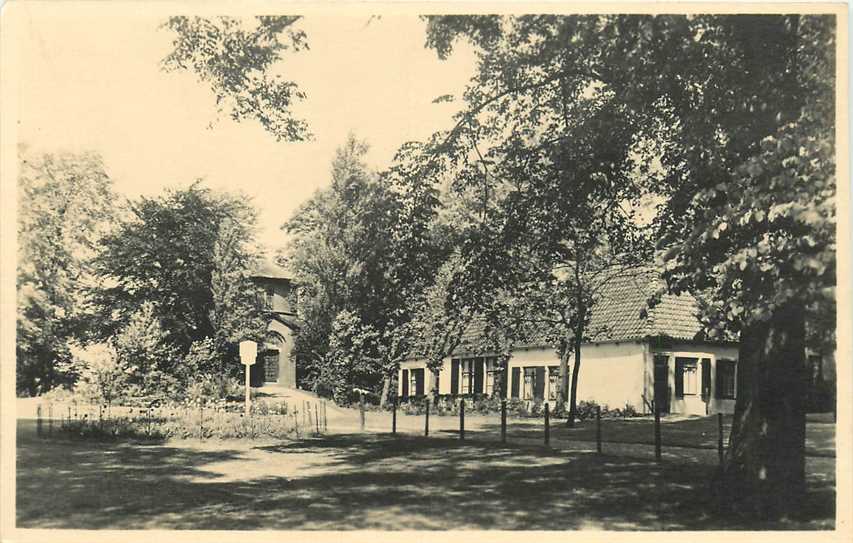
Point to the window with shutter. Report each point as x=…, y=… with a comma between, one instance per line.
x=725, y=386
x=516, y=382
x=454, y=377
x=479, y=373
x=539, y=384
x=418, y=381
x=706, y=379
x=405, y=384
x=685, y=377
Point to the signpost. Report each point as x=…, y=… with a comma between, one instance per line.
x=248, y=355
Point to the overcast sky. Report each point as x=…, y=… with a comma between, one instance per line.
x=92, y=81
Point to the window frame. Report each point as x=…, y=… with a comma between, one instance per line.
x=721, y=394
x=681, y=363
x=553, y=385
x=466, y=370
x=528, y=384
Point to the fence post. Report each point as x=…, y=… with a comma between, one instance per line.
x=598, y=428
x=462, y=419
x=547, y=424
x=503, y=421
x=38, y=420
x=720, y=437
x=394, y=416
x=361, y=409
x=317, y=418
x=325, y=419
x=657, y=432
x=426, y=420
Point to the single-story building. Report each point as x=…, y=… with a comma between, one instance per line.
x=639, y=354
x=275, y=365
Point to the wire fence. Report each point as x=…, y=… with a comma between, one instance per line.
x=686, y=439
x=693, y=439
x=203, y=421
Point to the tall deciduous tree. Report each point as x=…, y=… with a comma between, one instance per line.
x=65, y=208
x=738, y=112
x=189, y=254
x=552, y=152
x=342, y=257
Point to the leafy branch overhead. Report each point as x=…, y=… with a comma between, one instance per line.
x=236, y=59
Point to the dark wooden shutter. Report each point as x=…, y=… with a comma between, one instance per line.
x=454, y=377
x=516, y=381
x=706, y=379
x=539, y=383
x=504, y=379
x=479, y=371
x=419, y=382
x=405, y=384
x=679, y=378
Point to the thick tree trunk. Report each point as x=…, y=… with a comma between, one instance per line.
x=435, y=375
x=563, y=397
x=386, y=389
x=764, y=467
x=576, y=367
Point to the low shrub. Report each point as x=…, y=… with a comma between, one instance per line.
x=183, y=422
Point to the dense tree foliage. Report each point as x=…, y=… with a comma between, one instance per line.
x=730, y=120
x=188, y=256
x=64, y=209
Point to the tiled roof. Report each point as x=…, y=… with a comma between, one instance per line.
x=622, y=313
x=268, y=269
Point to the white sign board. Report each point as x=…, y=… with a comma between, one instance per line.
x=248, y=352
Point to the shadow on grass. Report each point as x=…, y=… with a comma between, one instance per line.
x=365, y=482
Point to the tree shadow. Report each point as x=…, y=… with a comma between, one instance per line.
x=362, y=482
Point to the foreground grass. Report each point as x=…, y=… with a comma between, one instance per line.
x=365, y=482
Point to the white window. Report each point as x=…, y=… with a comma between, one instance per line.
x=467, y=368
x=529, y=382
x=686, y=376
x=553, y=382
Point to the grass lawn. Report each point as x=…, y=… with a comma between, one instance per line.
x=369, y=481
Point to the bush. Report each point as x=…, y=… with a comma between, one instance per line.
x=224, y=422
x=586, y=410
x=102, y=377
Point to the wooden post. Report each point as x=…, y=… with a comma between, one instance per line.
x=598, y=428
x=394, y=417
x=547, y=424
x=317, y=418
x=248, y=407
x=720, y=437
x=657, y=432
x=148, y=416
x=50, y=419
x=361, y=409
x=462, y=419
x=38, y=420
x=426, y=420
x=503, y=421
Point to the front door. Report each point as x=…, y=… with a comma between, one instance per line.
x=662, y=382
x=271, y=366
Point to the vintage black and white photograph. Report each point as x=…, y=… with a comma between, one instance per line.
x=425, y=267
